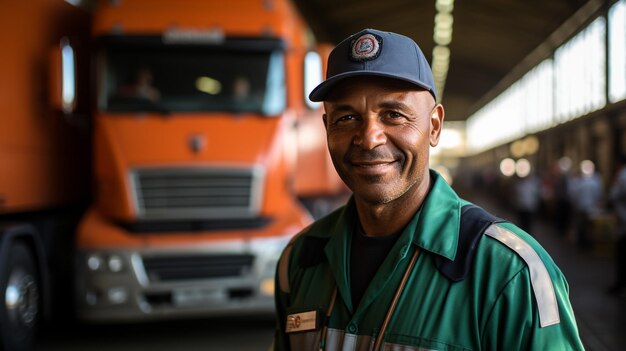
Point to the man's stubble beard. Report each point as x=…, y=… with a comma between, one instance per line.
x=393, y=196
x=380, y=199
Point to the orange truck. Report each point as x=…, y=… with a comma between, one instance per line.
x=201, y=128
x=44, y=163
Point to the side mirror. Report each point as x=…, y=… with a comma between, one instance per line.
x=324, y=50
x=315, y=70
x=63, y=77
x=313, y=76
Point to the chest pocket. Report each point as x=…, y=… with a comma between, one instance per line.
x=308, y=340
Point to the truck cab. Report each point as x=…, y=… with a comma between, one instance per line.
x=195, y=150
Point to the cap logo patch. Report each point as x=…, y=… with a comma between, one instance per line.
x=366, y=47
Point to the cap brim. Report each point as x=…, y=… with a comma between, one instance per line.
x=323, y=89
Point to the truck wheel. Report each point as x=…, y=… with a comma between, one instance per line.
x=20, y=300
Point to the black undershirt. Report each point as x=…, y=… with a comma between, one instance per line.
x=366, y=256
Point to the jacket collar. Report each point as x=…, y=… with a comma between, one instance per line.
x=434, y=227
x=438, y=229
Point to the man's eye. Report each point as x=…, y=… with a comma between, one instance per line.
x=345, y=118
x=393, y=114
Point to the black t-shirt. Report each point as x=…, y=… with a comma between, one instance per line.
x=366, y=256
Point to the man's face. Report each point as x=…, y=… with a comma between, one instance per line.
x=379, y=132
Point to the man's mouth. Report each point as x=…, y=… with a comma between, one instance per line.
x=370, y=163
x=372, y=167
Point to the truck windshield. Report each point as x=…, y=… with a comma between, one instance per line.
x=165, y=78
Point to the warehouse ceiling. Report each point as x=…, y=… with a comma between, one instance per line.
x=490, y=37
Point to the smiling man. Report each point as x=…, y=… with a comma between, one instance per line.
x=406, y=264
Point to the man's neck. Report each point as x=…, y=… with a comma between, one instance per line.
x=389, y=218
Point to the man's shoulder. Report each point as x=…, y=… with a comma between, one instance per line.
x=316, y=234
x=510, y=254
x=306, y=248
x=474, y=220
x=507, y=249
x=502, y=236
x=507, y=237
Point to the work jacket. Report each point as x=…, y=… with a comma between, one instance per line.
x=507, y=294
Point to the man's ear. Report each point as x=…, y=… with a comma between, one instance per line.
x=325, y=120
x=436, y=124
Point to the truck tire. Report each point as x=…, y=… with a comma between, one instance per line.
x=20, y=299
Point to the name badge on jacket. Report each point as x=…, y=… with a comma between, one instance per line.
x=299, y=322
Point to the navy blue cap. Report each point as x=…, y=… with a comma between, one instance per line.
x=372, y=52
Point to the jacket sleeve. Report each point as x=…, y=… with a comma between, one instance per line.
x=514, y=322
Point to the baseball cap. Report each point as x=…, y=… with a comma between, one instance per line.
x=371, y=52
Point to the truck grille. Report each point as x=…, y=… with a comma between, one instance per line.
x=176, y=268
x=196, y=193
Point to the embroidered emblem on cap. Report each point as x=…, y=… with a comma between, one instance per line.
x=366, y=47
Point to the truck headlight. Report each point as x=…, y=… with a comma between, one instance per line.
x=117, y=295
x=116, y=264
x=102, y=262
x=95, y=262
x=267, y=286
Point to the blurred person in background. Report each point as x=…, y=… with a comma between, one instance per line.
x=241, y=89
x=563, y=206
x=527, y=200
x=617, y=200
x=406, y=264
x=586, y=197
x=142, y=86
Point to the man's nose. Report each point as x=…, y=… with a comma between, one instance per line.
x=370, y=135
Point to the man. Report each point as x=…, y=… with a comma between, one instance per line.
x=586, y=195
x=527, y=197
x=406, y=264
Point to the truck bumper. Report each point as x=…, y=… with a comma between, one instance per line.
x=177, y=275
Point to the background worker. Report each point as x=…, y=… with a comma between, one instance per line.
x=617, y=199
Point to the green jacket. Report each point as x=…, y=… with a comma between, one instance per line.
x=514, y=297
